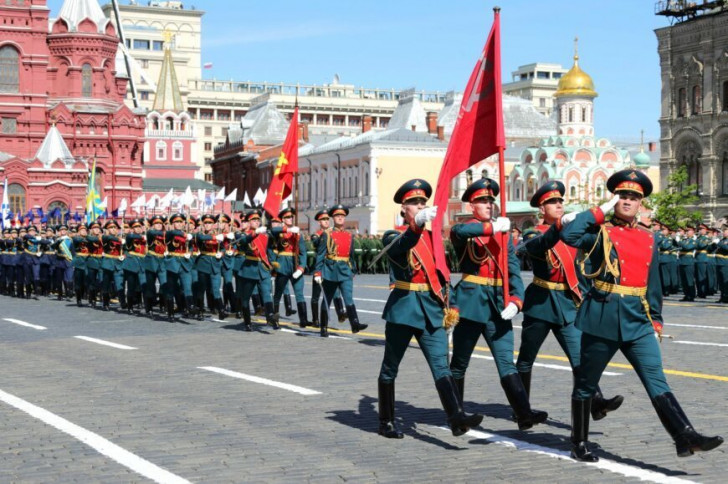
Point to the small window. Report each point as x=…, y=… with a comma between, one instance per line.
x=141, y=44
x=208, y=130
x=557, y=75
x=177, y=150
x=157, y=45
x=697, y=100
x=681, y=103
x=161, y=150
x=571, y=115
x=542, y=75
x=9, y=69
x=542, y=102
x=572, y=192
x=208, y=146
x=583, y=115
x=144, y=63
x=224, y=131
x=86, y=80
x=144, y=95
x=10, y=125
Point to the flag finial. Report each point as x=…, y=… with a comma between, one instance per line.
x=496, y=9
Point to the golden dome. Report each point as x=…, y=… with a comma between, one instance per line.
x=576, y=82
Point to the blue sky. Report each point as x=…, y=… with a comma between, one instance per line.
x=433, y=45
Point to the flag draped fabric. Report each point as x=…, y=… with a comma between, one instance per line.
x=5, y=211
x=281, y=185
x=478, y=133
x=94, y=207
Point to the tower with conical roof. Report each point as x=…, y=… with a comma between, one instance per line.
x=170, y=133
x=575, y=101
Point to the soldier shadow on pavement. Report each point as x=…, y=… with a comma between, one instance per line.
x=257, y=328
x=366, y=418
x=371, y=341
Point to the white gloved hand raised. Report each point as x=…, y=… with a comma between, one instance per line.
x=607, y=206
x=317, y=279
x=568, y=218
x=293, y=230
x=230, y=235
x=261, y=230
x=502, y=224
x=220, y=237
x=509, y=312
x=425, y=215
x=678, y=238
x=189, y=236
x=37, y=238
x=716, y=240
x=298, y=273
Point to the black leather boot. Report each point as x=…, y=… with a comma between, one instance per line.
x=92, y=297
x=122, y=300
x=356, y=326
x=602, y=406
x=324, y=322
x=170, y=309
x=387, y=425
x=460, y=384
x=580, y=410
x=79, y=298
x=221, y=313
x=29, y=294
x=247, y=325
x=302, y=316
x=105, y=301
x=526, y=380
x=148, y=305
x=257, y=304
x=271, y=317
x=687, y=440
x=288, y=305
x=340, y=311
x=459, y=421
x=130, y=303
x=315, y=314
x=518, y=398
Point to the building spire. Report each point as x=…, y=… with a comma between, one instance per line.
x=576, y=50
x=168, y=97
x=642, y=141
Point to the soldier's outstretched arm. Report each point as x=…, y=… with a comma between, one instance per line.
x=536, y=243
x=583, y=231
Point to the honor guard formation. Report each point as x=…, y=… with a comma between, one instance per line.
x=599, y=278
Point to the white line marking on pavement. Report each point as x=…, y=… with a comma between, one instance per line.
x=604, y=464
x=545, y=365
x=105, y=343
x=696, y=326
x=23, y=323
x=257, y=379
x=96, y=442
x=699, y=343
x=311, y=333
x=365, y=311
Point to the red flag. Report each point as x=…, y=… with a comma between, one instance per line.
x=478, y=133
x=281, y=184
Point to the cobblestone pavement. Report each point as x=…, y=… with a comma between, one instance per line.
x=198, y=401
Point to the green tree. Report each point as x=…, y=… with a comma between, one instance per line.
x=671, y=203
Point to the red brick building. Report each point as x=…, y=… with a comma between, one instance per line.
x=59, y=87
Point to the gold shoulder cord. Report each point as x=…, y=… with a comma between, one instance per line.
x=608, y=265
x=330, y=243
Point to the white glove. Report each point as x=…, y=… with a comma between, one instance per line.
x=121, y=258
x=293, y=230
x=123, y=241
x=509, y=312
x=297, y=274
x=716, y=240
x=189, y=236
x=187, y=255
x=678, y=238
x=317, y=279
x=568, y=218
x=425, y=215
x=502, y=224
x=607, y=206
x=37, y=238
x=230, y=235
x=220, y=237
x=261, y=230
x=694, y=237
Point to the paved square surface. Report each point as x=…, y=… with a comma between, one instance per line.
x=202, y=401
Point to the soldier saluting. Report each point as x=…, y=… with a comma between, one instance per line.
x=417, y=307
x=622, y=311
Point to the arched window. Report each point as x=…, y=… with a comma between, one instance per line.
x=697, y=100
x=571, y=115
x=9, y=69
x=725, y=96
x=161, y=148
x=177, y=150
x=86, y=80
x=16, y=197
x=366, y=183
x=57, y=218
x=169, y=123
x=681, y=103
x=725, y=173
x=583, y=115
x=572, y=192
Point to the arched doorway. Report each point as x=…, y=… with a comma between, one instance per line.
x=56, y=211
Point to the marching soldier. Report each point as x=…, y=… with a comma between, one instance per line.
x=228, y=258
x=93, y=262
x=714, y=237
x=721, y=261
x=291, y=263
x=62, y=264
x=665, y=245
x=675, y=263
x=80, y=262
x=241, y=226
x=33, y=248
x=322, y=217
x=209, y=263
x=179, y=265
x=479, y=297
x=687, y=246
x=417, y=306
x=46, y=261
x=255, y=270
x=155, y=264
x=135, y=253
x=622, y=311
x=552, y=298
x=111, y=266
x=701, y=261
x=335, y=269
x=10, y=261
